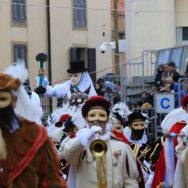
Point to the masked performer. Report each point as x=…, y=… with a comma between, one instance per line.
x=117, y=127
x=79, y=83
x=137, y=135
x=27, y=156
x=116, y=167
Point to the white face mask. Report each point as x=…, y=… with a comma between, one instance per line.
x=75, y=78
x=138, y=125
x=99, y=116
x=117, y=126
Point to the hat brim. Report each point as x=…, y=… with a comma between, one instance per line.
x=95, y=101
x=68, y=128
x=76, y=71
x=135, y=117
x=59, y=124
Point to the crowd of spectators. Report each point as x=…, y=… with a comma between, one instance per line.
x=110, y=90
x=167, y=79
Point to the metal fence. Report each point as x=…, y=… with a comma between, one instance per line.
x=46, y=107
x=137, y=75
x=156, y=118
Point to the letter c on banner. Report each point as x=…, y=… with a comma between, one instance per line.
x=164, y=103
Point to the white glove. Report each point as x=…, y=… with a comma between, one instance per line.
x=93, y=130
x=85, y=135
x=45, y=81
x=49, y=91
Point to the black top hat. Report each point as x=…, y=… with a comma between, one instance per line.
x=77, y=66
x=69, y=126
x=134, y=116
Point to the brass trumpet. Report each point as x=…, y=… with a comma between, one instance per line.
x=98, y=149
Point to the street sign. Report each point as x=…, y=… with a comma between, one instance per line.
x=164, y=102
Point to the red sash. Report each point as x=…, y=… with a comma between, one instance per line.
x=25, y=161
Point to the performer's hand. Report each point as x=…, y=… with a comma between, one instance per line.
x=85, y=135
x=93, y=130
x=41, y=72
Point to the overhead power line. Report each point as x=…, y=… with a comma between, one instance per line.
x=99, y=9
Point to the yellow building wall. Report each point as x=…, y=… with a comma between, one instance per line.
x=181, y=12
x=63, y=37
x=150, y=24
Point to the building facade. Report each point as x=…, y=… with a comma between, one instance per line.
x=118, y=31
x=155, y=25
x=65, y=30
x=150, y=24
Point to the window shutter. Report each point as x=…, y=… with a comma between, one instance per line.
x=92, y=63
x=15, y=9
x=23, y=54
x=76, y=13
x=16, y=56
x=22, y=9
x=82, y=13
x=20, y=53
x=73, y=54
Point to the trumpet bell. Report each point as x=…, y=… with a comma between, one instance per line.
x=98, y=148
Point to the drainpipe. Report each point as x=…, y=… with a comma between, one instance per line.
x=116, y=37
x=49, y=45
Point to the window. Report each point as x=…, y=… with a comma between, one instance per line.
x=88, y=55
x=19, y=11
x=79, y=14
x=182, y=35
x=171, y=54
x=77, y=54
x=20, y=53
x=121, y=35
x=185, y=33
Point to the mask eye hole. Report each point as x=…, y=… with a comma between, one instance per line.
x=3, y=98
x=102, y=115
x=92, y=115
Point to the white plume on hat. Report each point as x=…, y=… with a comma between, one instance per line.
x=55, y=116
x=24, y=106
x=122, y=109
x=73, y=111
x=17, y=70
x=57, y=134
x=78, y=119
